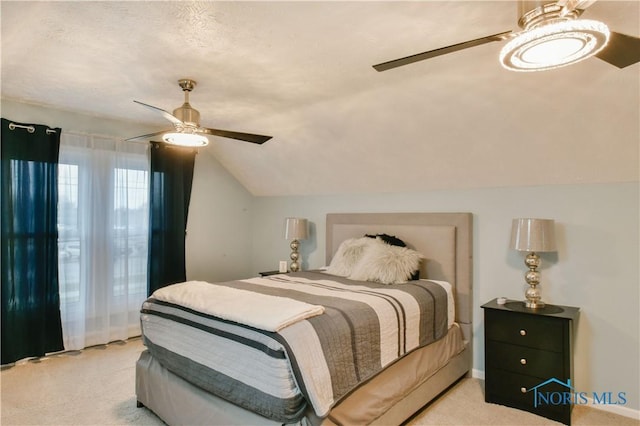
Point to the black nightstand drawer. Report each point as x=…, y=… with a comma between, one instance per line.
x=517, y=390
x=524, y=360
x=525, y=330
x=513, y=387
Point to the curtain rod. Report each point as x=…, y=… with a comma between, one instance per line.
x=30, y=129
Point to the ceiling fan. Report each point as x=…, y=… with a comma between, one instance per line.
x=552, y=37
x=186, y=122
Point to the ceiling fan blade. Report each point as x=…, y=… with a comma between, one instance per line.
x=621, y=51
x=441, y=51
x=247, y=137
x=164, y=113
x=135, y=138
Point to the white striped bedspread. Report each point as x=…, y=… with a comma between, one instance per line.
x=365, y=327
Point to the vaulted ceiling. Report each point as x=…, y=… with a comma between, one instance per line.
x=301, y=72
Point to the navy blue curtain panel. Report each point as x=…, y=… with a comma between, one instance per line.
x=170, y=192
x=31, y=324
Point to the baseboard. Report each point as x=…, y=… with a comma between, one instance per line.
x=477, y=374
x=615, y=409
x=611, y=408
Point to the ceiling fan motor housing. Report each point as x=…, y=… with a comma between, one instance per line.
x=187, y=115
x=532, y=14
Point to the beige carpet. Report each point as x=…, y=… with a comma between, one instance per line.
x=97, y=387
x=93, y=387
x=464, y=404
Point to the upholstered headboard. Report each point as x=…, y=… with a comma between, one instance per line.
x=445, y=239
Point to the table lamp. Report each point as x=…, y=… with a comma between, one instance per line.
x=295, y=229
x=533, y=236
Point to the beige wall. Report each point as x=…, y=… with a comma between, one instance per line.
x=219, y=234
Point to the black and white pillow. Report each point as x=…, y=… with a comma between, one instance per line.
x=389, y=239
x=395, y=241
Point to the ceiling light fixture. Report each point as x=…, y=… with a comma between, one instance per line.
x=185, y=139
x=553, y=37
x=554, y=45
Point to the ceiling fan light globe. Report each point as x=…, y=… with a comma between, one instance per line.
x=553, y=51
x=185, y=139
x=554, y=45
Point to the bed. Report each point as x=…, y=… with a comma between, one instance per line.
x=179, y=392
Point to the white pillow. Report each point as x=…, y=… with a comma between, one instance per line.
x=347, y=256
x=386, y=264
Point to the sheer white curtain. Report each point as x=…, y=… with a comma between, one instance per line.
x=103, y=212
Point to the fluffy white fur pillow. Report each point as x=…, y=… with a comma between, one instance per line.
x=386, y=264
x=348, y=254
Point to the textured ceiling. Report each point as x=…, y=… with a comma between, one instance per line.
x=301, y=71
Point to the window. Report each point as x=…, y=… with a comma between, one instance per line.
x=103, y=210
x=68, y=234
x=131, y=233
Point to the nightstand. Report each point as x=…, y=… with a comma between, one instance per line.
x=529, y=357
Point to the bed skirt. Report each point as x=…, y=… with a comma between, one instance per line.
x=390, y=397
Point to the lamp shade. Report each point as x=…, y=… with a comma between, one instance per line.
x=295, y=228
x=533, y=235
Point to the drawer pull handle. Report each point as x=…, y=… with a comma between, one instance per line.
x=523, y=361
x=523, y=332
x=523, y=390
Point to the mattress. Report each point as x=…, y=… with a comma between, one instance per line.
x=312, y=364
